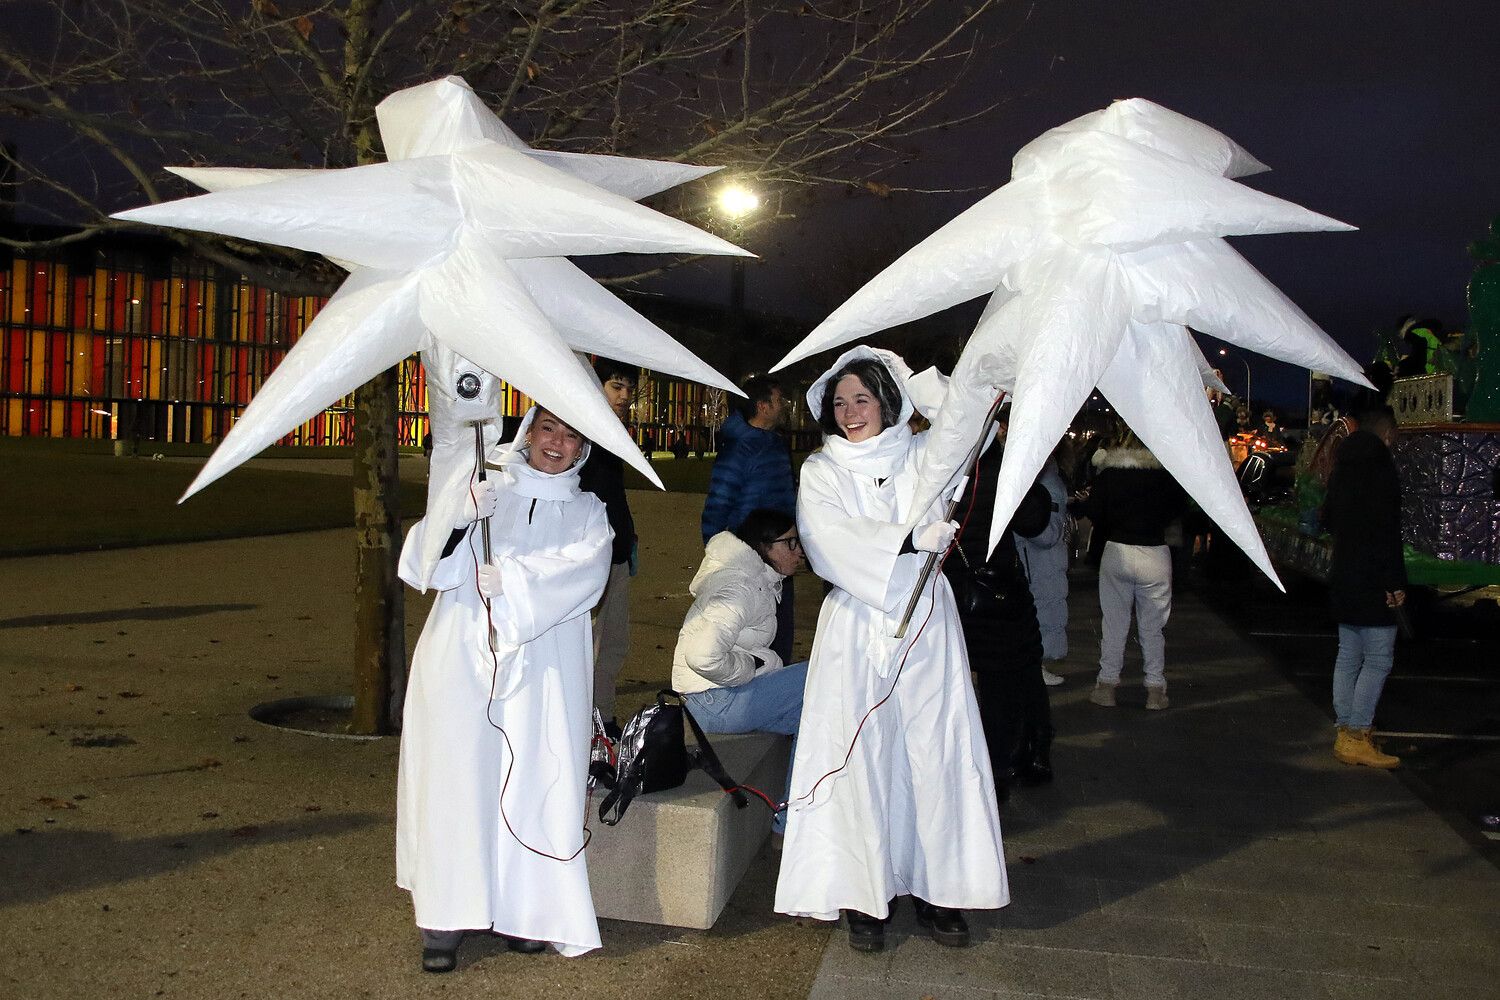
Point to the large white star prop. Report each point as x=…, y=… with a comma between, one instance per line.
x=458, y=241
x=1105, y=245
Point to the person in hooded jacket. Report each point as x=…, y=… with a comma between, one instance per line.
x=1366, y=580
x=495, y=742
x=1131, y=502
x=1045, y=556
x=893, y=791
x=724, y=666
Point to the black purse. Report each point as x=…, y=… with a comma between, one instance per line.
x=981, y=592
x=653, y=757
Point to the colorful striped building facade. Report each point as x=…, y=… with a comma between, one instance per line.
x=123, y=343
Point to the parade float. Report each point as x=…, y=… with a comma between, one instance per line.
x=1448, y=457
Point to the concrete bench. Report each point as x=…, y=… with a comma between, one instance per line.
x=678, y=855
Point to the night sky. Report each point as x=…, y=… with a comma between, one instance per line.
x=1382, y=113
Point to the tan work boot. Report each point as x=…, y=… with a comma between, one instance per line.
x=1354, y=746
x=1156, y=698
x=1104, y=694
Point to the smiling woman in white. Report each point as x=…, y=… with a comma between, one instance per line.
x=914, y=811
x=464, y=868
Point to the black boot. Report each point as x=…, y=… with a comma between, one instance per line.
x=1037, y=769
x=866, y=933
x=440, y=950
x=947, y=926
x=524, y=946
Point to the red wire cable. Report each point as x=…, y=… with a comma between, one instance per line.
x=510, y=763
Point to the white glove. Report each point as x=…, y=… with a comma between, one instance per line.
x=490, y=584
x=934, y=537
x=480, y=501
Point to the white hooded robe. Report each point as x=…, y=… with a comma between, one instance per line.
x=464, y=868
x=914, y=811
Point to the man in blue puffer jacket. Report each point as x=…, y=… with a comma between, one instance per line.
x=754, y=470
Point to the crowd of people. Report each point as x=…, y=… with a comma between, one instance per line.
x=903, y=748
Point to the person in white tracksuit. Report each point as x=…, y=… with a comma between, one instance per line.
x=1132, y=501
x=495, y=745
x=913, y=810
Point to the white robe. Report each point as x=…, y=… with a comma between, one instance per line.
x=914, y=811
x=463, y=867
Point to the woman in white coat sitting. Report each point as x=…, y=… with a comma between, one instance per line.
x=724, y=667
x=495, y=741
x=893, y=792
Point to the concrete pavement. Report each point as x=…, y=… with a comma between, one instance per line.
x=156, y=842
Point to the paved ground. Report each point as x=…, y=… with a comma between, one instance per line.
x=158, y=843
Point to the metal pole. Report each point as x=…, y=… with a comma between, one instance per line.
x=932, y=557
x=484, y=525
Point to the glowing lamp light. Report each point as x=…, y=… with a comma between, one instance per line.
x=737, y=201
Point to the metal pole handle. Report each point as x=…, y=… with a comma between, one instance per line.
x=484, y=523
x=930, y=564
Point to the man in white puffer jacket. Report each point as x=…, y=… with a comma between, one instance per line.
x=723, y=665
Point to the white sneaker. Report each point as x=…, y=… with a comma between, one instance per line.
x=1050, y=679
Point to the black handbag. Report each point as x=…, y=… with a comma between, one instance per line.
x=653, y=757
x=981, y=592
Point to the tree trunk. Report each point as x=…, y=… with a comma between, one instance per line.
x=379, y=616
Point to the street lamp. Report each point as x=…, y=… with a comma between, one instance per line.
x=737, y=202
x=1246, y=362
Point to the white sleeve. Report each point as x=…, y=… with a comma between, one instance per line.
x=544, y=589
x=451, y=571
x=855, y=553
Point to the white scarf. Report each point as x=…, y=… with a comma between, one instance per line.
x=535, y=484
x=877, y=457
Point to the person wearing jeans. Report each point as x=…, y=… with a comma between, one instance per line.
x=1366, y=581
x=724, y=666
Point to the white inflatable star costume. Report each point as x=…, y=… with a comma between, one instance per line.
x=457, y=241
x=1100, y=252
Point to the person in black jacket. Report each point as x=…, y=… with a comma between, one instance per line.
x=603, y=475
x=1131, y=502
x=1366, y=580
x=1001, y=633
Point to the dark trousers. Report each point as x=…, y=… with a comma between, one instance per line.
x=1006, y=656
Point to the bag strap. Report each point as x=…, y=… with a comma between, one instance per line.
x=708, y=760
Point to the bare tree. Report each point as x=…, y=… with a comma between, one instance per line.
x=791, y=96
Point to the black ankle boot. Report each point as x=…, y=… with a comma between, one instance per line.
x=866, y=933
x=440, y=950
x=947, y=926
x=524, y=946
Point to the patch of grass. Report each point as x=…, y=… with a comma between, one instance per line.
x=62, y=499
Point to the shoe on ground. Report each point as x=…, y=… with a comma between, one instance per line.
x=1050, y=679
x=439, y=959
x=947, y=926
x=524, y=946
x=866, y=933
x=1104, y=694
x=1156, y=698
x=1355, y=746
